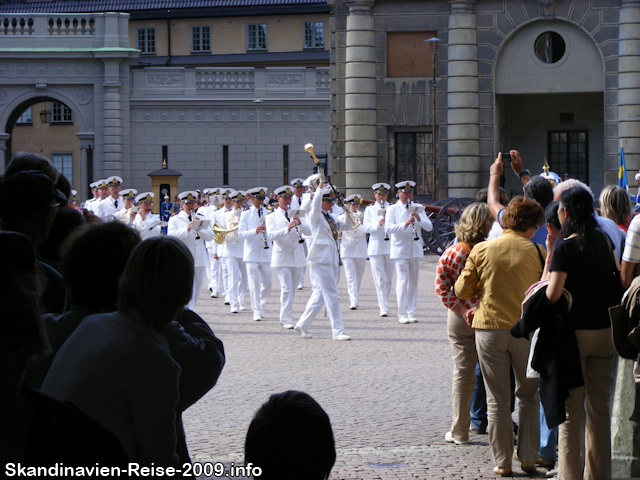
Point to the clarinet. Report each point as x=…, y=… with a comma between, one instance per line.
x=386, y=237
x=415, y=232
x=264, y=234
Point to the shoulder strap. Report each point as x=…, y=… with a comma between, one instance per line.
x=535, y=245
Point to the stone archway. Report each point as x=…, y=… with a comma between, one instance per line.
x=549, y=99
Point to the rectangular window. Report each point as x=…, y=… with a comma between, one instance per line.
x=285, y=164
x=257, y=36
x=146, y=40
x=60, y=113
x=313, y=34
x=64, y=163
x=414, y=160
x=200, y=39
x=225, y=164
x=569, y=152
x=26, y=118
x=165, y=156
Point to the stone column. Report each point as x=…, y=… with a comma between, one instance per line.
x=360, y=99
x=86, y=141
x=3, y=151
x=463, y=131
x=625, y=421
x=112, y=120
x=629, y=85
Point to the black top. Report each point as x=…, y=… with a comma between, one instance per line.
x=589, y=280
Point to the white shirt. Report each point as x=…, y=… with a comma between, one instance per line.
x=354, y=241
x=254, y=250
x=145, y=226
x=377, y=243
x=287, y=252
x=178, y=228
x=107, y=207
x=402, y=238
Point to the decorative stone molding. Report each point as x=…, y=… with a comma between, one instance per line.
x=547, y=9
x=3, y=95
x=360, y=7
x=164, y=80
x=462, y=6
x=83, y=95
x=285, y=80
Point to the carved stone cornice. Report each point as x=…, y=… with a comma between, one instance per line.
x=360, y=7
x=462, y=6
x=630, y=3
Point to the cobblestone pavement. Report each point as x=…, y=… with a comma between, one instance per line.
x=387, y=392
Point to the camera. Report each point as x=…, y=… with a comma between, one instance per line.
x=506, y=157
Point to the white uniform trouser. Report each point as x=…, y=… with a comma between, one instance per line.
x=224, y=267
x=324, y=293
x=199, y=275
x=259, y=290
x=407, y=271
x=382, y=271
x=237, y=281
x=304, y=269
x=354, y=271
x=289, y=279
x=207, y=269
x=215, y=274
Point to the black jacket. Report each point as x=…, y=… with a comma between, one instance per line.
x=556, y=356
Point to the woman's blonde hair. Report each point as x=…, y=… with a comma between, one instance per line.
x=474, y=224
x=614, y=204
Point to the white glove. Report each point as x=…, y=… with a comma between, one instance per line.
x=346, y=208
x=321, y=177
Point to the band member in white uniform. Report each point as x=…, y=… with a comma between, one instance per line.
x=288, y=256
x=406, y=249
x=257, y=251
x=128, y=212
x=353, y=250
x=113, y=203
x=220, y=217
x=215, y=271
x=234, y=252
x=90, y=203
x=182, y=227
x=147, y=222
x=206, y=210
x=379, y=246
x=103, y=192
x=297, y=201
x=323, y=260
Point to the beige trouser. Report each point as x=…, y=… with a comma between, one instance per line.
x=498, y=351
x=597, y=355
x=463, y=350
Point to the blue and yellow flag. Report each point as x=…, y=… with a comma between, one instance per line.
x=622, y=171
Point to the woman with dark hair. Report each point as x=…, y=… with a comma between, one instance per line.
x=117, y=368
x=499, y=272
x=582, y=263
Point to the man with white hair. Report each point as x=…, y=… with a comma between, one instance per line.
x=257, y=251
x=405, y=229
x=379, y=247
x=186, y=226
x=323, y=260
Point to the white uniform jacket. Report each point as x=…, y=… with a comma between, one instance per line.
x=354, y=242
x=377, y=244
x=92, y=204
x=209, y=212
x=296, y=203
x=254, y=242
x=107, y=208
x=233, y=244
x=287, y=252
x=143, y=226
x=220, y=217
x=402, y=243
x=178, y=228
x=322, y=247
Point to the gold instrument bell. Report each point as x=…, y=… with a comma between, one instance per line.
x=221, y=232
x=553, y=177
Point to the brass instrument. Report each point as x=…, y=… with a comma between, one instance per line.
x=221, y=232
x=309, y=148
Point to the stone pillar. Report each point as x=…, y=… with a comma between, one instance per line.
x=3, y=151
x=112, y=120
x=360, y=99
x=625, y=438
x=86, y=142
x=629, y=85
x=463, y=131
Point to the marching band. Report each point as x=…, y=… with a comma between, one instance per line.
x=238, y=239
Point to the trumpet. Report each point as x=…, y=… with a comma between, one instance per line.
x=309, y=148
